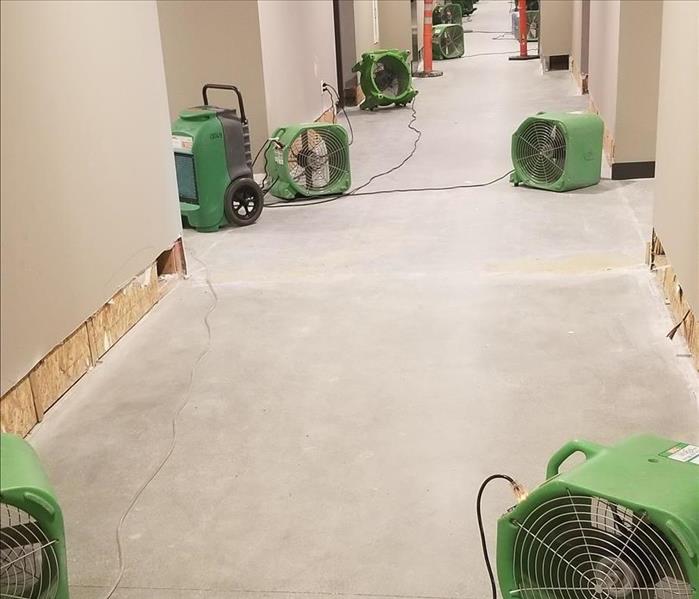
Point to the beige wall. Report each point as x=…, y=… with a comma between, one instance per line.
x=364, y=27
x=580, y=43
x=555, y=27
x=214, y=41
x=88, y=190
x=604, y=57
x=639, y=63
x=395, y=24
x=623, y=73
x=676, y=217
x=298, y=53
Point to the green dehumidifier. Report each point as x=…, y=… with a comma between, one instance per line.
x=213, y=164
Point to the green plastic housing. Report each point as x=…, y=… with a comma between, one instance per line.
x=439, y=33
x=637, y=474
x=447, y=13
x=397, y=61
x=210, y=169
x=583, y=133
x=24, y=485
x=277, y=161
x=467, y=7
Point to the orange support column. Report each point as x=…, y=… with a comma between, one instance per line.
x=427, y=70
x=523, y=33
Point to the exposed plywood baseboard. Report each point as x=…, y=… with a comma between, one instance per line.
x=17, y=411
x=328, y=116
x=682, y=313
x=27, y=402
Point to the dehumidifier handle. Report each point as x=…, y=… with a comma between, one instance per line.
x=232, y=88
x=586, y=447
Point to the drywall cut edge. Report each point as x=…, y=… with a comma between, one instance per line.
x=17, y=412
x=579, y=77
x=608, y=141
x=111, y=322
x=60, y=369
x=26, y=403
x=677, y=303
x=328, y=116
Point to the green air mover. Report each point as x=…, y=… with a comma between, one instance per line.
x=308, y=160
x=446, y=14
x=385, y=78
x=447, y=41
x=212, y=159
x=532, y=25
x=624, y=524
x=558, y=151
x=467, y=7
x=32, y=540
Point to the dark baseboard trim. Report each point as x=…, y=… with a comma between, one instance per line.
x=559, y=62
x=633, y=170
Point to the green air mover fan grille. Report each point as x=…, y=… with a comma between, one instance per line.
x=32, y=540
x=28, y=560
x=447, y=13
x=447, y=41
x=541, y=151
x=385, y=78
x=558, y=151
x=309, y=160
x=578, y=546
x=623, y=524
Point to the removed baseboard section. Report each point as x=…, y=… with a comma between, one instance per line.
x=26, y=403
x=328, y=116
x=17, y=411
x=682, y=313
x=579, y=77
x=633, y=170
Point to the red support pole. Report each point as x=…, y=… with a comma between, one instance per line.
x=427, y=37
x=427, y=70
x=523, y=34
x=523, y=28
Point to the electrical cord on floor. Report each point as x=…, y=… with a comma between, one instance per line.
x=342, y=107
x=356, y=190
x=173, y=439
x=383, y=191
x=520, y=493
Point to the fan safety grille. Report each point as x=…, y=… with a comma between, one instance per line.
x=317, y=159
x=540, y=151
x=28, y=562
x=577, y=547
x=451, y=42
x=391, y=76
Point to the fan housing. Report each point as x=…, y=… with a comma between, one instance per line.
x=385, y=78
x=624, y=524
x=447, y=41
x=558, y=151
x=308, y=160
x=32, y=539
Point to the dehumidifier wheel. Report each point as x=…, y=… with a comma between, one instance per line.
x=244, y=202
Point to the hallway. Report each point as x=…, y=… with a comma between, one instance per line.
x=349, y=373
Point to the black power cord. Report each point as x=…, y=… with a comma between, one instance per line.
x=341, y=104
x=520, y=493
x=357, y=190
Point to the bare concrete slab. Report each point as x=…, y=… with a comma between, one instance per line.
x=371, y=360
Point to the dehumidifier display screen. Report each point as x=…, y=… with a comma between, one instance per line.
x=186, y=178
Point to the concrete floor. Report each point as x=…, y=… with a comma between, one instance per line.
x=371, y=361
